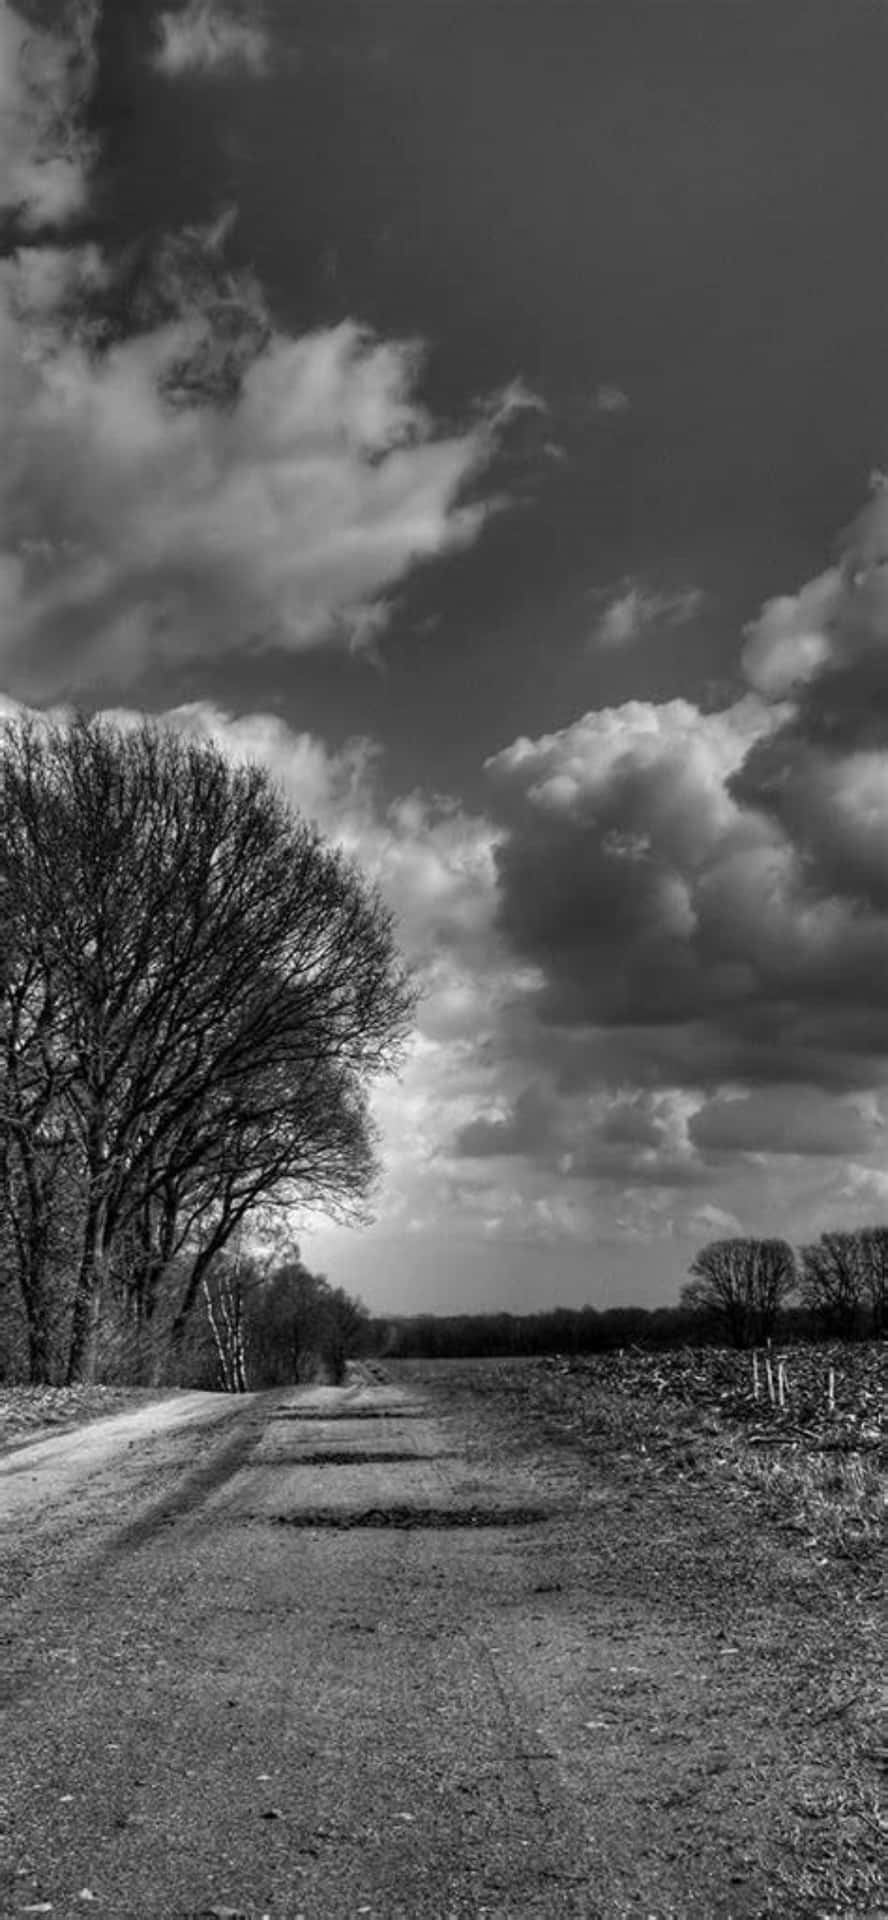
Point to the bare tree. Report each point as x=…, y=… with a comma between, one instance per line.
x=297, y=1325
x=717, y=1287
x=220, y=985
x=874, y=1276
x=773, y=1279
x=838, y=1272
x=743, y=1284
x=223, y=1293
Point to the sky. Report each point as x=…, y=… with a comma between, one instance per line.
x=476, y=411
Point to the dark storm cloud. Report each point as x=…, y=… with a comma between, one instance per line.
x=786, y=1120
x=838, y=1053
x=822, y=777
x=632, y=1123
x=527, y=1128
x=708, y=892
x=640, y=1139
x=637, y=1139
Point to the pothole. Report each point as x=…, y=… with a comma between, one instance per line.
x=350, y=1457
x=408, y=1519
x=351, y=1413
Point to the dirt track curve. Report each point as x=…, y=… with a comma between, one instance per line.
x=298, y=1655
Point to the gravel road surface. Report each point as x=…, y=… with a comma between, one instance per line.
x=251, y=1668
x=314, y=1653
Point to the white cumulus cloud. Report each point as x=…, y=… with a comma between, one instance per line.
x=636, y=609
x=198, y=480
x=208, y=37
x=174, y=531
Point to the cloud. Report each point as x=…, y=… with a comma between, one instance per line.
x=635, y=609
x=514, y=399
x=677, y=920
x=432, y=859
x=208, y=37
x=710, y=1222
x=181, y=476
x=433, y=863
x=785, y=1120
x=525, y=1129
x=609, y=398
x=788, y=644
x=826, y=643
x=142, y=523
x=703, y=897
x=661, y=909
x=822, y=777
x=637, y=1140
x=657, y=967
x=46, y=76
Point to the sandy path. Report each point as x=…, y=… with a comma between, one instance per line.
x=44, y=1473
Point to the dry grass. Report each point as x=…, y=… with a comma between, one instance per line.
x=839, y=1502
x=693, y=1416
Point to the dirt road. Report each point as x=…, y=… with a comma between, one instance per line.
x=303, y=1654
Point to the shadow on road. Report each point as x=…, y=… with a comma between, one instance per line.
x=192, y=1488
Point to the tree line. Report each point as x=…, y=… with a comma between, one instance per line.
x=742, y=1292
x=839, y=1281
x=269, y=1322
x=195, y=996
x=452, y=1336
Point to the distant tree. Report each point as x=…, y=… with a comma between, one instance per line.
x=287, y=1321
x=774, y=1280
x=347, y=1331
x=624, y=1326
x=196, y=994
x=293, y=1324
x=874, y=1275
x=843, y=1274
x=742, y=1285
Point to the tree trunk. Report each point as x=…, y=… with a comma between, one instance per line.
x=221, y=1355
x=217, y=1241
x=39, y=1365
x=38, y=1313
x=87, y=1304
x=183, y=1312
